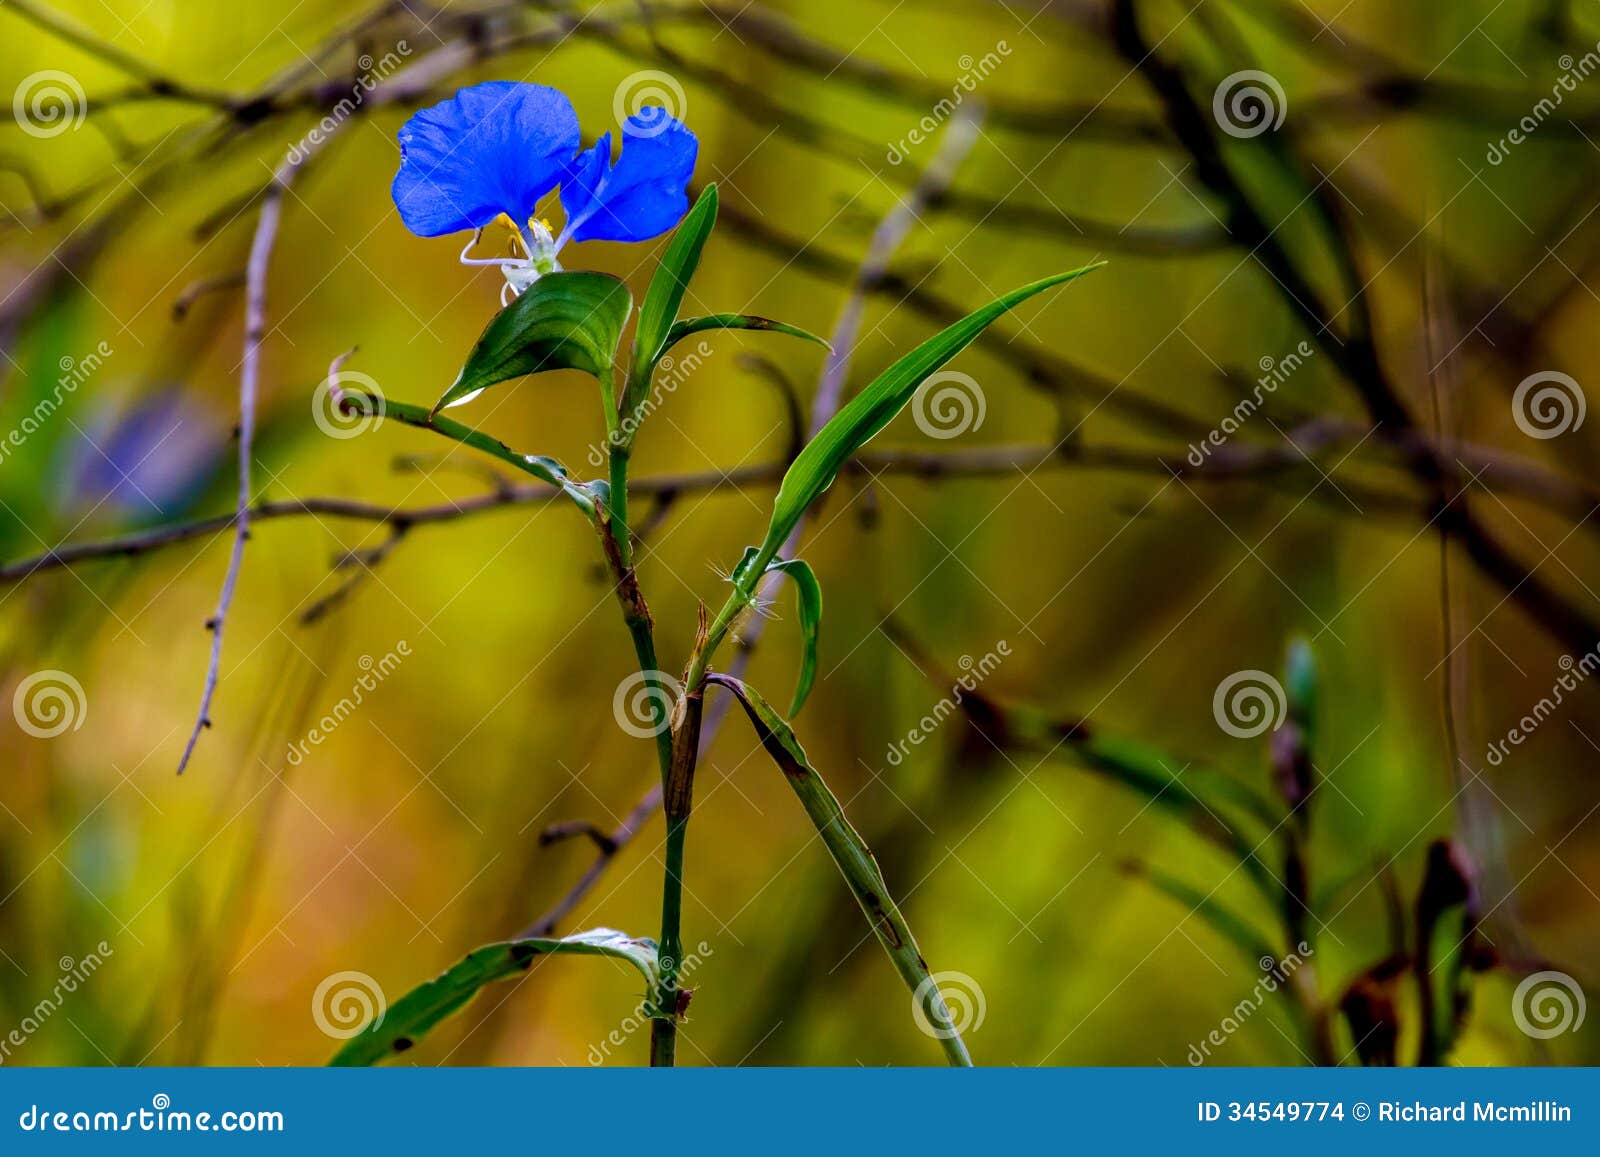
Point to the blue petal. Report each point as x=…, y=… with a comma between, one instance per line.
x=643, y=194
x=492, y=148
x=581, y=184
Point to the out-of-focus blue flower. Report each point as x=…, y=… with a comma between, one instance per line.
x=153, y=458
x=493, y=151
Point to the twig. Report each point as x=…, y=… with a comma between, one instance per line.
x=1355, y=353
x=255, y=325
x=555, y=833
x=195, y=290
x=1300, y=450
x=619, y=838
x=443, y=60
x=368, y=561
x=155, y=83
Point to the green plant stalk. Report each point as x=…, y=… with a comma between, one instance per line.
x=676, y=803
x=664, y=1029
x=741, y=597
x=680, y=782
x=611, y=522
x=617, y=542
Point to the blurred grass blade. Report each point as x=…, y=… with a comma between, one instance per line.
x=694, y=325
x=808, y=593
x=854, y=860
x=1227, y=923
x=1212, y=803
x=874, y=407
x=562, y=321
x=665, y=295
x=1150, y=775
x=413, y=1015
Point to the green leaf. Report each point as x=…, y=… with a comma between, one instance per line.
x=694, y=325
x=814, y=470
x=808, y=593
x=410, y=1018
x=539, y=466
x=665, y=295
x=563, y=321
x=855, y=863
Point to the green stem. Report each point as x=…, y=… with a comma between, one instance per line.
x=676, y=800
x=619, y=504
x=700, y=664
x=618, y=546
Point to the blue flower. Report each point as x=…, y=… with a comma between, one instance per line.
x=493, y=148
x=493, y=151
x=643, y=194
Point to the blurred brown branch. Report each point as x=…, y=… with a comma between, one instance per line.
x=1297, y=453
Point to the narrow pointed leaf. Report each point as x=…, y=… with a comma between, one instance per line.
x=874, y=407
x=1227, y=923
x=539, y=466
x=855, y=863
x=1235, y=929
x=563, y=321
x=411, y=1017
x=665, y=295
x=694, y=325
x=808, y=594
